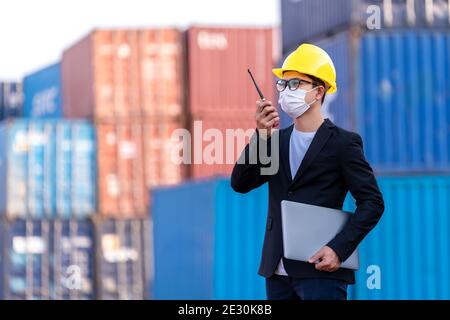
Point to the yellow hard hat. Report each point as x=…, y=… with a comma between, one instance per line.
x=310, y=60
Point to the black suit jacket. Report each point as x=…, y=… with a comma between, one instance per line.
x=333, y=165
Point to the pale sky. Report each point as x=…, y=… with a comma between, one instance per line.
x=33, y=33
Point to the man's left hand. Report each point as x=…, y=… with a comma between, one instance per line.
x=326, y=260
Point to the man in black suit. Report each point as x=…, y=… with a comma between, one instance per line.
x=318, y=164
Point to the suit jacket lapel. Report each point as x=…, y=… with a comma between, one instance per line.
x=319, y=140
x=284, y=154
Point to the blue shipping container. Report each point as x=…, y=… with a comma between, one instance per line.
x=208, y=241
x=47, y=259
x=124, y=259
x=308, y=20
x=217, y=233
x=11, y=100
x=407, y=256
x=393, y=90
x=403, y=101
x=26, y=259
x=47, y=168
x=76, y=164
x=42, y=93
x=73, y=256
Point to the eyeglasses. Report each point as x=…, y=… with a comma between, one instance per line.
x=293, y=84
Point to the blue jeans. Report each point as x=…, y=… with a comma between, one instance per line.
x=288, y=288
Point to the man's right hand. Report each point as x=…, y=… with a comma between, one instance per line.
x=266, y=117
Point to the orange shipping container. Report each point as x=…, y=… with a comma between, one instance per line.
x=124, y=74
x=218, y=59
x=214, y=149
x=120, y=169
x=159, y=145
x=133, y=156
x=221, y=93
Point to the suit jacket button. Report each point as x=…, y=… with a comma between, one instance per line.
x=290, y=193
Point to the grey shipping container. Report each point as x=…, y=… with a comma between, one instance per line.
x=124, y=259
x=393, y=90
x=47, y=259
x=11, y=100
x=306, y=20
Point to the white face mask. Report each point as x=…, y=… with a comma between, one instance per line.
x=293, y=102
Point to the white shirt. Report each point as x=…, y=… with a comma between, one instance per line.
x=298, y=145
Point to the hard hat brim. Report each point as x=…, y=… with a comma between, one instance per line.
x=278, y=72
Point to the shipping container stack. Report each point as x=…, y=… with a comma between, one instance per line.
x=392, y=89
x=96, y=136
x=130, y=84
x=221, y=95
x=47, y=169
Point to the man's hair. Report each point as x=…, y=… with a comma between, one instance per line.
x=318, y=82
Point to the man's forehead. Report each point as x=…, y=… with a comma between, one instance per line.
x=294, y=74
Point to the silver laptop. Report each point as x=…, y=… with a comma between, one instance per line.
x=307, y=228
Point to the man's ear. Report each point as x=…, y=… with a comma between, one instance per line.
x=322, y=92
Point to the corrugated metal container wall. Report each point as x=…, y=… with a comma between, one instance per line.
x=39, y=168
x=121, y=169
x=217, y=238
x=11, y=100
x=78, y=79
x=42, y=93
x=338, y=106
x=26, y=259
x=12, y=199
x=403, y=103
x=402, y=249
x=214, y=151
x=124, y=259
x=47, y=168
x=124, y=74
x=394, y=68
x=83, y=170
x=303, y=20
x=432, y=13
x=308, y=20
x=132, y=157
x=219, y=56
x=218, y=59
x=47, y=259
x=159, y=148
x=73, y=257
x=162, y=67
